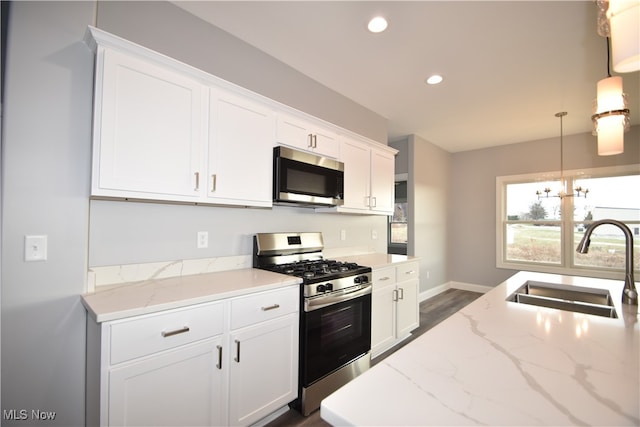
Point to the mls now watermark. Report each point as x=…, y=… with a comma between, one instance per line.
x=25, y=414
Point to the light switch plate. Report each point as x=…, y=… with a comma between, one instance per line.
x=35, y=248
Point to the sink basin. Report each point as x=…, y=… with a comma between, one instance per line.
x=564, y=297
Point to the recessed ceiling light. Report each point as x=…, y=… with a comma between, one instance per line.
x=377, y=24
x=434, y=79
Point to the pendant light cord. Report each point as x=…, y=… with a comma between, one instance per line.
x=608, y=58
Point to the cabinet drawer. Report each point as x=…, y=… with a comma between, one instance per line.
x=410, y=270
x=158, y=332
x=384, y=277
x=264, y=306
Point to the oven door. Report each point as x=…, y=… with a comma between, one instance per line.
x=304, y=178
x=333, y=336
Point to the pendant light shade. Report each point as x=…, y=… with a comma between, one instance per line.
x=610, y=116
x=624, y=24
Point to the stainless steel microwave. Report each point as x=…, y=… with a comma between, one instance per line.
x=304, y=179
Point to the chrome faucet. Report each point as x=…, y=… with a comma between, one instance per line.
x=629, y=292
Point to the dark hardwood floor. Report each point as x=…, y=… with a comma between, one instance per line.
x=432, y=311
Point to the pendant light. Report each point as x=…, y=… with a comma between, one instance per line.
x=578, y=191
x=610, y=114
x=624, y=27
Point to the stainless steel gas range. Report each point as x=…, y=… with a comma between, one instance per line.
x=335, y=323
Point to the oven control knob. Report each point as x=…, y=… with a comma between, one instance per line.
x=361, y=279
x=328, y=287
x=357, y=279
x=320, y=288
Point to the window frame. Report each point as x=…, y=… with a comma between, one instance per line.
x=567, y=223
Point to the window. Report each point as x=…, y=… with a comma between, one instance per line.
x=398, y=228
x=541, y=234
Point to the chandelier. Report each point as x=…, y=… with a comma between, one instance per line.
x=578, y=191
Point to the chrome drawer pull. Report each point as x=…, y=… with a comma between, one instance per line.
x=237, y=358
x=176, y=332
x=409, y=272
x=384, y=278
x=271, y=307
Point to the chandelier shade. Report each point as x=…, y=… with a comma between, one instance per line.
x=624, y=26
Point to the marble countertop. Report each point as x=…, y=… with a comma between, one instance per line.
x=501, y=363
x=378, y=260
x=149, y=296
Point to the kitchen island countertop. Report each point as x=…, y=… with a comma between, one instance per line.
x=501, y=363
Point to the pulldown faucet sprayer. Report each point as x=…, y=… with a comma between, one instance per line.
x=629, y=292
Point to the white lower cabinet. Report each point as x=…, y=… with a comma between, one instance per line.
x=395, y=307
x=231, y=362
x=179, y=387
x=263, y=371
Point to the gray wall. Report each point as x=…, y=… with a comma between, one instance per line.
x=45, y=188
x=428, y=168
x=472, y=216
x=46, y=145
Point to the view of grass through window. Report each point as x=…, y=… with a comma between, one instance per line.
x=546, y=231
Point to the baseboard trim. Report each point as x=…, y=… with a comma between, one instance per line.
x=430, y=293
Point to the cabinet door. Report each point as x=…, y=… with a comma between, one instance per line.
x=148, y=129
x=241, y=140
x=407, y=313
x=263, y=370
x=355, y=157
x=304, y=135
x=174, y=388
x=382, y=181
x=383, y=324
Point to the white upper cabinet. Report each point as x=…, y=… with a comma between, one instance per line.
x=306, y=135
x=368, y=177
x=241, y=139
x=148, y=137
x=166, y=131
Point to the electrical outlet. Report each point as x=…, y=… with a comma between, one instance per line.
x=374, y=234
x=35, y=248
x=203, y=239
x=343, y=234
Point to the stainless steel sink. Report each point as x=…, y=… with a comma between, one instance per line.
x=563, y=297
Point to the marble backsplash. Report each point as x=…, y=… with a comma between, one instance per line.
x=131, y=273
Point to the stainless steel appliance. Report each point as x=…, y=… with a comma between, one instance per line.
x=335, y=325
x=301, y=178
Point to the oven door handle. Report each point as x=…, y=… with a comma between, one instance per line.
x=311, y=304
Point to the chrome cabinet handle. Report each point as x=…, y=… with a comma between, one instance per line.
x=175, y=332
x=197, y=188
x=401, y=293
x=214, y=179
x=219, y=364
x=310, y=144
x=271, y=307
x=237, y=358
x=395, y=295
x=315, y=141
x=375, y=202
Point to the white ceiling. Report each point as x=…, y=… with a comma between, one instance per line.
x=509, y=66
